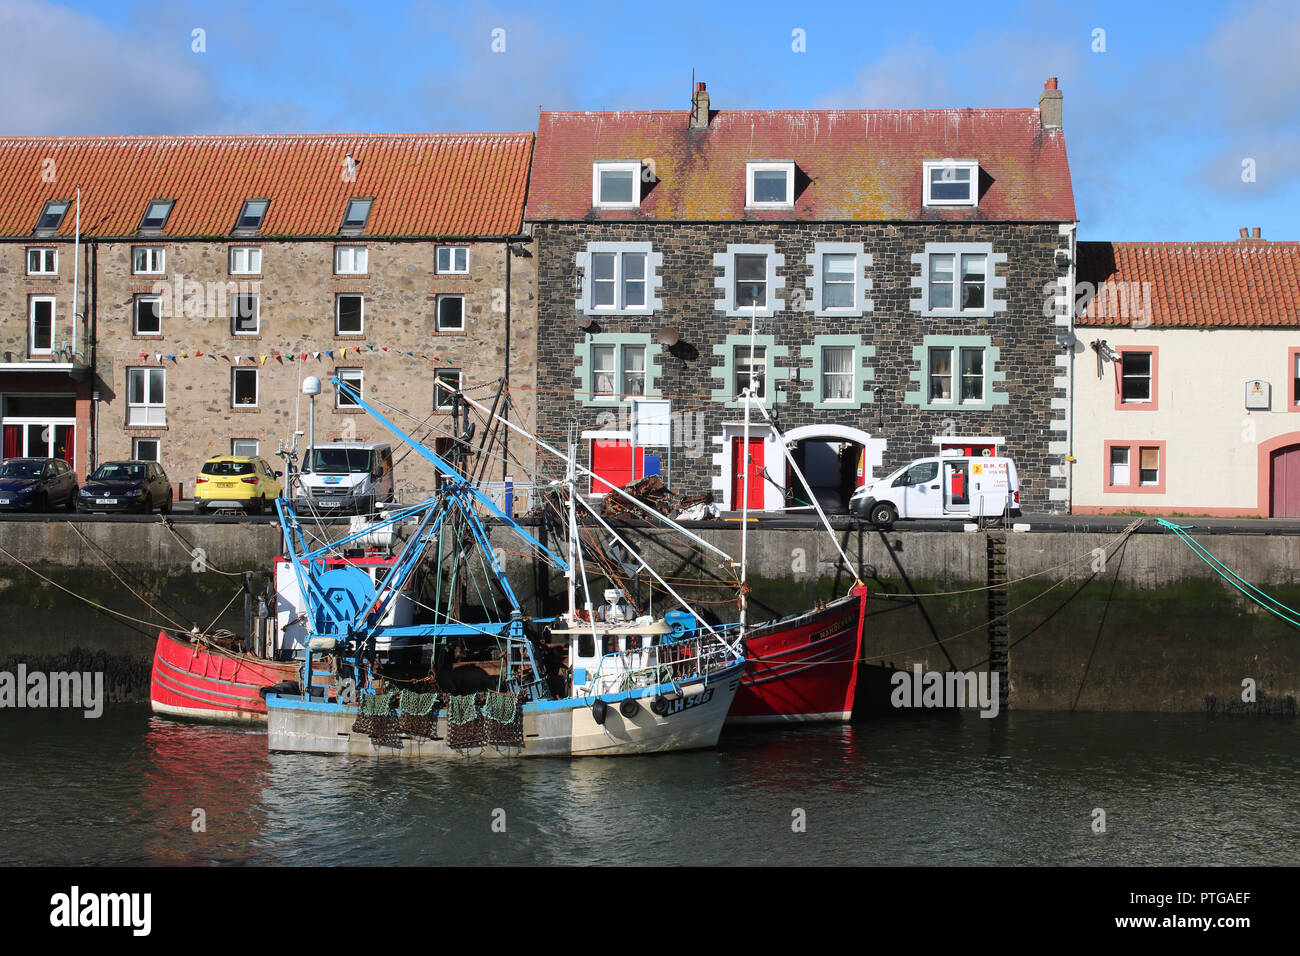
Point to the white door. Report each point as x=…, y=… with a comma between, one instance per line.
x=922, y=493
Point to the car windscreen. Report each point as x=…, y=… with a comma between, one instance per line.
x=21, y=469
x=340, y=461
x=227, y=469
x=114, y=472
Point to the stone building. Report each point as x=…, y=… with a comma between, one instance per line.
x=901, y=271
x=171, y=313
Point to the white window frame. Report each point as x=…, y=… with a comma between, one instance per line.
x=153, y=413
x=234, y=447
x=355, y=377
x=234, y=391
x=618, y=373
x=246, y=253
x=351, y=260
x=451, y=251
x=135, y=449
x=954, y=376
x=620, y=304
x=338, y=318
x=437, y=313
x=740, y=354
x=781, y=166
x=993, y=283
x=852, y=374
x=972, y=165
x=48, y=254
x=135, y=314
x=613, y=166
x=155, y=261
x=726, y=283
x=439, y=403
x=257, y=313
x=31, y=324
x=1149, y=376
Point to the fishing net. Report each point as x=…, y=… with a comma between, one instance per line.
x=465, y=725
x=504, y=719
x=418, y=714
x=376, y=720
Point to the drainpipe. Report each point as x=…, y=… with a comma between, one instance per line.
x=92, y=342
x=505, y=408
x=1072, y=278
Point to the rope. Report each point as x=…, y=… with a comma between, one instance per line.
x=96, y=551
x=1288, y=614
x=190, y=548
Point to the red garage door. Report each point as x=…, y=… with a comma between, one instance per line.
x=1286, y=482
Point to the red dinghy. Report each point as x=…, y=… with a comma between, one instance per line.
x=805, y=667
x=210, y=683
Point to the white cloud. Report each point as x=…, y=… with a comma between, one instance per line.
x=68, y=73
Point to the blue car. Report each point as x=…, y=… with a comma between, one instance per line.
x=37, y=484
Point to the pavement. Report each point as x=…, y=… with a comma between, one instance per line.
x=183, y=513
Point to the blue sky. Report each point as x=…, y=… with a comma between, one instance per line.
x=1158, y=124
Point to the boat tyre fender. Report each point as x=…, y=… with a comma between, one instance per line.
x=659, y=706
x=284, y=687
x=629, y=708
x=598, y=711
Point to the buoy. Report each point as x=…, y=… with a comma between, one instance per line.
x=598, y=711
x=629, y=708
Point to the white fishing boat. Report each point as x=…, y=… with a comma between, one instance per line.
x=626, y=684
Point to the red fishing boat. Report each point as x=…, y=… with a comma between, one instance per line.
x=803, y=667
x=206, y=681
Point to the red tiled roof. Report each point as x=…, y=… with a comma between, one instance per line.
x=1193, y=284
x=423, y=184
x=861, y=165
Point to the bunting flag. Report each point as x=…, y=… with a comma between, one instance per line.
x=315, y=355
x=158, y=357
x=263, y=359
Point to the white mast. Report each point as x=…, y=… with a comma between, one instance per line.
x=572, y=488
x=745, y=466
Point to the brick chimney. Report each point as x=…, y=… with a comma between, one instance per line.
x=1250, y=235
x=699, y=108
x=1049, y=105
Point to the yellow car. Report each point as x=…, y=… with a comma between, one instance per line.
x=231, y=481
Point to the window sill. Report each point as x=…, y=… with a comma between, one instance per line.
x=245, y=408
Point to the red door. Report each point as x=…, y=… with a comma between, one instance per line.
x=1286, y=482
x=739, y=471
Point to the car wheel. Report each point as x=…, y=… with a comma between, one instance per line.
x=148, y=505
x=43, y=504
x=72, y=498
x=167, y=508
x=884, y=515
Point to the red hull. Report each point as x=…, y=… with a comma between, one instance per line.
x=190, y=680
x=803, y=668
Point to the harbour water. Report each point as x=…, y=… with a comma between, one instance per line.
x=912, y=789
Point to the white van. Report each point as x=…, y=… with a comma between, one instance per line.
x=346, y=476
x=946, y=486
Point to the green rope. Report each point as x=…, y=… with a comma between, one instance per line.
x=1288, y=614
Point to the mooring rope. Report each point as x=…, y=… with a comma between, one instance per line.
x=1288, y=614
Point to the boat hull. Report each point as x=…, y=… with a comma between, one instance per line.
x=195, y=681
x=803, y=669
x=562, y=728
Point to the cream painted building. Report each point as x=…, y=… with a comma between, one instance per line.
x=1187, y=379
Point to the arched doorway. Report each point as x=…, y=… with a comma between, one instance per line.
x=834, y=459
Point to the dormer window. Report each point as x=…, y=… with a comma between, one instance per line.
x=951, y=182
x=52, y=215
x=250, y=217
x=769, y=185
x=616, y=185
x=356, y=214
x=155, y=215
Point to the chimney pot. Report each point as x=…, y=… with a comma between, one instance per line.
x=699, y=108
x=1245, y=233
x=1254, y=233
x=1049, y=105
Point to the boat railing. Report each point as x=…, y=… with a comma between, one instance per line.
x=670, y=662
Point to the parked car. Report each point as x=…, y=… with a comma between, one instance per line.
x=232, y=481
x=37, y=484
x=127, y=486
